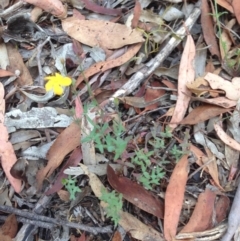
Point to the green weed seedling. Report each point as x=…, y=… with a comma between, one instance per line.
x=149, y=176
x=70, y=185
x=112, y=141
x=176, y=152
x=115, y=204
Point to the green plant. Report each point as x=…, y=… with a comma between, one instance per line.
x=149, y=175
x=176, y=152
x=112, y=141
x=114, y=201
x=70, y=185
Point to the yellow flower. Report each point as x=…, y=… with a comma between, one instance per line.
x=56, y=83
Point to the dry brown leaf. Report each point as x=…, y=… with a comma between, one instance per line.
x=186, y=75
x=7, y=154
x=130, y=224
x=55, y=7
x=2, y=103
x=152, y=94
x=101, y=33
x=236, y=9
x=16, y=63
x=139, y=102
x=199, y=86
x=221, y=208
x=225, y=43
x=67, y=141
x=203, y=113
x=136, y=14
x=208, y=29
x=108, y=64
x=5, y=73
x=91, y=5
x=225, y=4
x=135, y=193
x=201, y=221
x=220, y=101
x=225, y=138
x=232, y=89
x=10, y=227
x=196, y=151
x=4, y=237
x=174, y=198
x=170, y=85
x=212, y=167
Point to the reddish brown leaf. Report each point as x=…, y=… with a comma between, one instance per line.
x=7, y=154
x=5, y=73
x=16, y=63
x=152, y=94
x=78, y=108
x=136, y=14
x=220, y=101
x=226, y=138
x=186, y=75
x=72, y=161
x=221, y=208
x=170, y=85
x=201, y=221
x=99, y=9
x=236, y=8
x=208, y=29
x=203, y=113
x=135, y=193
x=67, y=141
x=54, y=7
x=225, y=4
x=174, y=198
x=117, y=236
x=108, y=64
x=10, y=227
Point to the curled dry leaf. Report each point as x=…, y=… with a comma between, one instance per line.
x=186, y=75
x=225, y=4
x=208, y=29
x=212, y=167
x=233, y=217
x=174, y=198
x=135, y=193
x=101, y=33
x=201, y=221
x=10, y=227
x=232, y=89
x=72, y=161
x=67, y=141
x=7, y=154
x=203, y=113
x=108, y=64
x=16, y=63
x=88, y=4
x=55, y=7
x=130, y=224
x=225, y=138
x=220, y=101
x=236, y=9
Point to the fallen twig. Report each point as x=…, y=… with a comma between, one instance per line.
x=154, y=63
x=37, y=218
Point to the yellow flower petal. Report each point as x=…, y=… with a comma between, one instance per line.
x=49, y=85
x=66, y=81
x=58, y=90
x=57, y=82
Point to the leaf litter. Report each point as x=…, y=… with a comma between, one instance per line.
x=140, y=115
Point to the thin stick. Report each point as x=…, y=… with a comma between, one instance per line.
x=36, y=217
x=154, y=63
